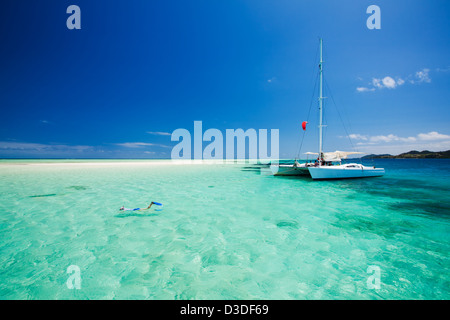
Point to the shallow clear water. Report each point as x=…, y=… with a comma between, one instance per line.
x=226, y=232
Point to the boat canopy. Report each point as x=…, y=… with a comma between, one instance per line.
x=337, y=155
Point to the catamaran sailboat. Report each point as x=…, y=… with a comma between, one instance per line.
x=326, y=170
x=329, y=164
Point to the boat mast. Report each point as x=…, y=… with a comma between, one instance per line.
x=320, y=103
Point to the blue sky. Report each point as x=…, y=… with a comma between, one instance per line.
x=138, y=70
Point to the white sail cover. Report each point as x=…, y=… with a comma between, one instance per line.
x=337, y=155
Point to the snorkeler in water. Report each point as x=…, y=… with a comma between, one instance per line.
x=137, y=209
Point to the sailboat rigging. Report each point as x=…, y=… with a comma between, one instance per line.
x=328, y=164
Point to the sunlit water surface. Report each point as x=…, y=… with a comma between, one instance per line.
x=226, y=232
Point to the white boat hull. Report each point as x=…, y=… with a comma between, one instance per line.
x=289, y=170
x=346, y=171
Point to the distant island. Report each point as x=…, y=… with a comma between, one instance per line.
x=412, y=155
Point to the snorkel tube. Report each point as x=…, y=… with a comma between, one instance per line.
x=160, y=206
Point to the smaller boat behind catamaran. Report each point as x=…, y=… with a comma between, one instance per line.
x=329, y=164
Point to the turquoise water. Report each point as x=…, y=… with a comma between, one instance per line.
x=226, y=232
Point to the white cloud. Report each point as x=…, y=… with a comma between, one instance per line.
x=357, y=136
x=43, y=150
x=29, y=149
x=389, y=83
x=421, y=76
x=140, y=144
x=397, y=148
x=364, y=89
x=20, y=146
x=158, y=133
x=377, y=83
x=390, y=138
x=386, y=82
x=365, y=143
x=27, y=146
x=394, y=144
x=430, y=136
